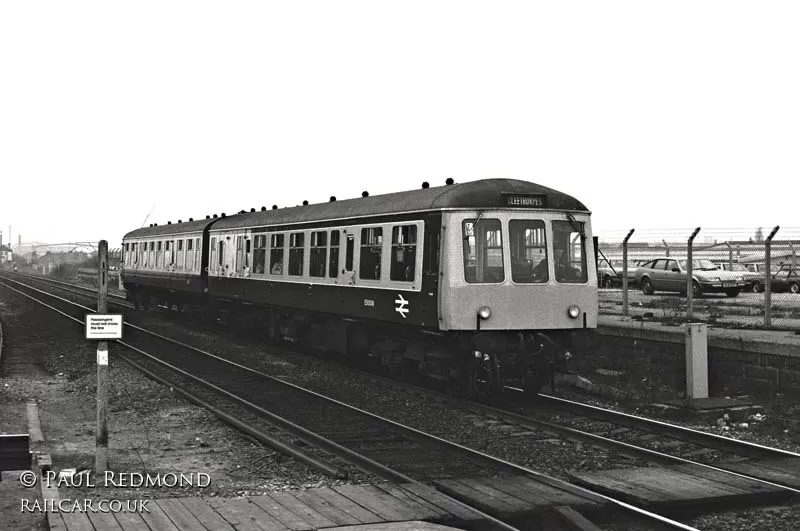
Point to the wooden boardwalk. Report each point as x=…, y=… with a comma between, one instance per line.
x=680, y=486
x=519, y=498
x=321, y=508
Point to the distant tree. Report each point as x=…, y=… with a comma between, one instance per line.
x=759, y=236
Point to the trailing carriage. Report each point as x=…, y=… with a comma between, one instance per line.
x=479, y=284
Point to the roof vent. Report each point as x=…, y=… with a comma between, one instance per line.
x=274, y=207
x=305, y=203
x=263, y=208
x=215, y=216
x=425, y=185
x=364, y=194
x=180, y=221
x=208, y=217
x=191, y=219
x=333, y=198
x=252, y=210
x=449, y=181
x=169, y=223
x=223, y=214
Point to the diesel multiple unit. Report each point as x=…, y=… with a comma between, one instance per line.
x=479, y=284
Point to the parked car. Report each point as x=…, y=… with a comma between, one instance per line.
x=737, y=268
x=669, y=274
x=609, y=273
x=755, y=276
x=784, y=278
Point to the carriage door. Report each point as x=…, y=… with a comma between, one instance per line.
x=239, y=264
x=347, y=276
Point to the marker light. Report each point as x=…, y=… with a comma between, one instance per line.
x=484, y=312
x=573, y=311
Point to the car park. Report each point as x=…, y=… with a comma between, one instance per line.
x=670, y=274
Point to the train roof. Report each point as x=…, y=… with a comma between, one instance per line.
x=170, y=228
x=487, y=193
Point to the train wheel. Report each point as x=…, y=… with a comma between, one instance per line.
x=484, y=378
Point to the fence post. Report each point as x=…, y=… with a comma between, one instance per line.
x=794, y=258
x=666, y=247
x=689, y=279
x=596, y=244
x=768, y=278
x=625, y=272
x=730, y=255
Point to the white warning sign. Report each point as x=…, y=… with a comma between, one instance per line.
x=104, y=326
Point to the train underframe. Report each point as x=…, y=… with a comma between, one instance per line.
x=478, y=365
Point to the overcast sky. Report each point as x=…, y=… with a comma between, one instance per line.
x=655, y=114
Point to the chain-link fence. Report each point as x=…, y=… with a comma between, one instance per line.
x=730, y=277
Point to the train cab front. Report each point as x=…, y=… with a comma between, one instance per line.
x=518, y=287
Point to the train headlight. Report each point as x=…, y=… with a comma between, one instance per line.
x=484, y=312
x=573, y=311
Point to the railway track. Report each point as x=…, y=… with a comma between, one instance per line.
x=371, y=443
x=392, y=445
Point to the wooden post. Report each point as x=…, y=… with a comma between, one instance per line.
x=101, y=442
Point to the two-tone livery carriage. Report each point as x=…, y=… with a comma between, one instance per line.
x=479, y=284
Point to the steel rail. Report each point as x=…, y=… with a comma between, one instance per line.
x=359, y=460
x=681, y=432
x=558, y=483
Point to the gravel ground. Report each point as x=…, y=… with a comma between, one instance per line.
x=150, y=428
x=778, y=426
x=539, y=451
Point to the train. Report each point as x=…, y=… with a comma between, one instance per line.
x=478, y=285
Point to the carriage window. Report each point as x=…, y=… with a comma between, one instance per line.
x=371, y=245
x=247, y=252
x=528, y=251
x=319, y=250
x=483, y=250
x=276, y=254
x=159, y=255
x=212, y=259
x=348, y=255
x=221, y=253
x=404, y=253
x=197, y=255
x=333, y=265
x=259, y=253
x=569, y=248
x=296, y=242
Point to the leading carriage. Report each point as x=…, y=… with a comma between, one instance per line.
x=479, y=285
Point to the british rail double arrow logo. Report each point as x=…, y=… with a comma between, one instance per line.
x=401, y=306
